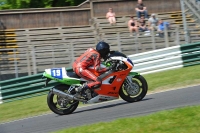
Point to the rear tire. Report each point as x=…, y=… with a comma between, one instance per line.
x=132, y=95
x=53, y=105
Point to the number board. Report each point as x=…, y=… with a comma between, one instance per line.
x=57, y=73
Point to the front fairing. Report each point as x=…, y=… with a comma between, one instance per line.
x=119, y=54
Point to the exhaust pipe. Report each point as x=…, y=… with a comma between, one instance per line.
x=65, y=95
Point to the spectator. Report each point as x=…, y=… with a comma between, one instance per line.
x=111, y=16
x=161, y=27
x=141, y=9
x=142, y=24
x=153, y=22
x=198, y=3
x=132, y=25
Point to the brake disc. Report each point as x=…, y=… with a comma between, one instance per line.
x=62, y=102
x=134, y=89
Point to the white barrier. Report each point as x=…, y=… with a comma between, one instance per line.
x=157, y=60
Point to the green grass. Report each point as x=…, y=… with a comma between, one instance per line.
x=182, y=120
x=23, y=108
x=174, y=78
x=157, y=81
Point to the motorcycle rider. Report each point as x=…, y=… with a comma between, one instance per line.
x=91, y=57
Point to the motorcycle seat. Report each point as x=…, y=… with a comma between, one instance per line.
x=73, y=75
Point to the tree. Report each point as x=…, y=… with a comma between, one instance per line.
x=18, y=4
x=75, y=2
x=4, y=5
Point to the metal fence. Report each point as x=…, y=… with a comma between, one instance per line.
x=6, y=62
x=32, y=59
x=192, y=8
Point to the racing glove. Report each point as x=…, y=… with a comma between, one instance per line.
x=112, y=67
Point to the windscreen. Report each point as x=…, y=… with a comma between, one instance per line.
x=116, y=53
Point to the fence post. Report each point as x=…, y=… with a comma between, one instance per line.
x=15, y=63
x=177, y=39
x=67, y=50
x=96, y=36
x=136, y=42
x=34, y=60
x=91, y=9
x=184, y=20
x=61, y=19
x=28, y=61
x=153, y=39
x=189, y=36
x=166, y=36
x=119, y=42
x=21, y=19
x=53, y=55
x=100, y=37
x=72, y=52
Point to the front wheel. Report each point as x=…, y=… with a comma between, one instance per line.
x=59, y=105
x=134, y=91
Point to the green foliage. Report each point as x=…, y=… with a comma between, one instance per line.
x=14, y=4
x=75, y=2
x=18, y=4
x=4, y=5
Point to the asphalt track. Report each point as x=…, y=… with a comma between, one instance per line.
x=105, y=112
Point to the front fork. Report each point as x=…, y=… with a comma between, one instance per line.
x=129, y=78
x=129, y=81
x=133, y=86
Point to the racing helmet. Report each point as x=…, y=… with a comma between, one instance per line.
x=103, y=49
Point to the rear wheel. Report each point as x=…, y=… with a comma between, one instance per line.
x=59, y=105
x=134, y=92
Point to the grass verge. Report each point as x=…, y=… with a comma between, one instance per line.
x=158, y=81
x=182, y=120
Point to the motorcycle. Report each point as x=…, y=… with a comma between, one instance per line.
x=62, y=99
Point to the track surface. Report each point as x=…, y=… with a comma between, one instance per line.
x=106, y=112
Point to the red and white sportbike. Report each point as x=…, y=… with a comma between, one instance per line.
x=130, y=86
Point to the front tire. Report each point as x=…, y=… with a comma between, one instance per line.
x=134, y=94
x=59, y=105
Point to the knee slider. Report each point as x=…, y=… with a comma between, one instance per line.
x=99, y=82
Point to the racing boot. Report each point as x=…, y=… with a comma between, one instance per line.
x=82, y=89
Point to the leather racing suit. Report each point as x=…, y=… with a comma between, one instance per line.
x=80, y=66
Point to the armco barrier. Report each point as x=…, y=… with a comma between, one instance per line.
x=24, y=87
x=148, y=62
x=167, y=58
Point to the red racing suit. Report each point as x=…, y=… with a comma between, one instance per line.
x=80, y=66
